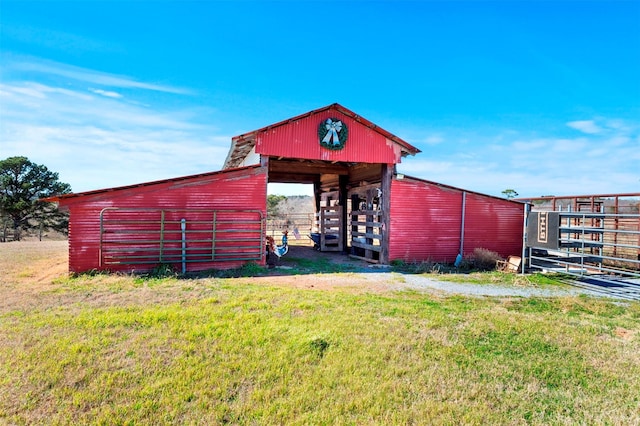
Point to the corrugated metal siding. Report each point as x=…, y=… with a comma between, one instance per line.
x=244, y=189
x=84, y=238
x=494, y=224
x=426, y=219
x=424, y=222
x=299, y=139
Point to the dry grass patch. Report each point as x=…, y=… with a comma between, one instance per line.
x=32, y=261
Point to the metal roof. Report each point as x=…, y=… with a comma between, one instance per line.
x=64, y=197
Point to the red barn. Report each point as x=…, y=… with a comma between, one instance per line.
x=216, y=220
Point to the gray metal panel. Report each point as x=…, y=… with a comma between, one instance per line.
x=543, y=230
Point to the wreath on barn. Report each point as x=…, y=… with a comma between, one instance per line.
x=332, y=134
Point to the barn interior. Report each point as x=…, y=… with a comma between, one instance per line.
x=348, y=196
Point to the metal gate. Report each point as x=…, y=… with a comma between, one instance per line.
x=138, y=236
x=602, y=249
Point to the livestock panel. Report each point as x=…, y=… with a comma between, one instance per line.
x=139, y=238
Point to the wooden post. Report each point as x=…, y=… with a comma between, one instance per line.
x=369, y=219
x=317, y=194
x=355, y=206
x=343, y=195
x=388, y=170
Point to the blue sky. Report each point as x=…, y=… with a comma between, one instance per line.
x=542, y=97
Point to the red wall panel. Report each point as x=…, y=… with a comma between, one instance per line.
x=426, y=222
x=494, y=224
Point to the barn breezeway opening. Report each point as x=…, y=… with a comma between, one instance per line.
x=290, y=208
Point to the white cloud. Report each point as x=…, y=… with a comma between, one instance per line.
x=585, y=126
x=107, y=93
x=434, y=140
x=97, y=137
x=48, y=68
x=58, y=40
x=589, y=164
x=96, y=141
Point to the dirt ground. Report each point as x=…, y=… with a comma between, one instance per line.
x=302, y=250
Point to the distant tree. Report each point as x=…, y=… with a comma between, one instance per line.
x=273, y=202
x=22, y=185
x=510, y=193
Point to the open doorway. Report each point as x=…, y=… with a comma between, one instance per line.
x=349, y=210
x=290, y=209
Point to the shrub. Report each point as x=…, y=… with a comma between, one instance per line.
x=484, y=259
x=163, y=270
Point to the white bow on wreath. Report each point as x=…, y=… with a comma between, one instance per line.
x=333, y=127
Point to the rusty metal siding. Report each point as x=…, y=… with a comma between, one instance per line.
x=493, y=224
x=299, y=139
x=426, y=222
x=244, y=189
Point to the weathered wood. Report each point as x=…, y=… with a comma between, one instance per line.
x=365, y=246
x=292, y=178
x=342, y=200
x=363, y=189
x=312, y=168
x=331, y=225
x=367, y=235
x=363, y=172
x=366, y=213
x=367, y=224
x=388, y=170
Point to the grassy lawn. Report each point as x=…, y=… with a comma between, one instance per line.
x=129, y=350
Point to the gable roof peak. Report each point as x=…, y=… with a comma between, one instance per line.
x=242, y=145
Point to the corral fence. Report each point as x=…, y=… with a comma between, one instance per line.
x=600, y=248
x=299, y=226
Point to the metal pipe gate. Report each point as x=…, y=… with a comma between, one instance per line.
x=600, y=248
x=149, y=236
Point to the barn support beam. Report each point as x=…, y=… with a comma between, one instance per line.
x=342, y=200
x=388, y=170
x=317, y=194
x=462, y=218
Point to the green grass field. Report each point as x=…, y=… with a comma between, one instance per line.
x=128, y=350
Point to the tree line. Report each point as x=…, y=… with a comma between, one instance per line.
x=23, y=185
